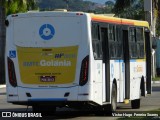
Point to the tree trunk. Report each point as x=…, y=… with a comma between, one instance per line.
x=2, y=44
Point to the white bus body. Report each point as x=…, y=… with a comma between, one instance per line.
x=49, y=59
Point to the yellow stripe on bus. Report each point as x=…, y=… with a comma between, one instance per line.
x=140, y=60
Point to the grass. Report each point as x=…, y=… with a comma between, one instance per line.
x=156, y=79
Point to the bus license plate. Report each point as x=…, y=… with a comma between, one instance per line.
x=47, y=78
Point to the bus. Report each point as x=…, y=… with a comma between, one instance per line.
x=76, y=59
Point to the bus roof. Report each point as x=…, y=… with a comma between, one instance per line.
x=94, y=17
x=115, y=20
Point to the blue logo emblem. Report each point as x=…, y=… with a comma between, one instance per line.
x=12, y=54
x=46, y=31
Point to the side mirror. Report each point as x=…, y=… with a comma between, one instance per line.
x=6, y=23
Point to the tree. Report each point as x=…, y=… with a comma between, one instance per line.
x=8, y=7
x=31, y=5
x=2, y=3
x=132, y=10
x=2, y=41
x=158, y=19
x=16, y=6
x=120, y=5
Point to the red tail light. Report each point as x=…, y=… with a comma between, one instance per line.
x=11, y=73
x=84, y=71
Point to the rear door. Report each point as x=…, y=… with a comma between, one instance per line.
x=126, y=61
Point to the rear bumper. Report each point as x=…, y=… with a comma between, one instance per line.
x=56, y=96
x=70, y=104
x=25, y=94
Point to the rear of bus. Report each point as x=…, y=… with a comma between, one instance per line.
x=47, y=58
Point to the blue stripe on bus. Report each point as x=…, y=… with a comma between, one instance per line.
x=133, y=60
x=47, y=99
x=119, y=60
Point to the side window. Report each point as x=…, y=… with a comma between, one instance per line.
x=119, y=42
x=140, y=41
x=132, y=33
x=133, y=42
x=112, y=50
x=139, y=33
x=136, y=42
x=111, y=38
x=95, y=31
x=115, y=42
x=111, y=32
x=96, y=42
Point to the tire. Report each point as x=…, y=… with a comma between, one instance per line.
x=142, y=87
x=135, y=104
x=46, y=110
x=114, y=98
x=110, y=108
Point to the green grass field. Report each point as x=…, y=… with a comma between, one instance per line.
x=156, y=79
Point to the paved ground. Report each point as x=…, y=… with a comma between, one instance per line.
x=147, y=104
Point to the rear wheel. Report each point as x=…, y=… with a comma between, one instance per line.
x=112, y=107
x=135, y=104
x=142, y=87
x=44, y=109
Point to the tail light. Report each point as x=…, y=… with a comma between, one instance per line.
x=11, y=73
x=84, y=71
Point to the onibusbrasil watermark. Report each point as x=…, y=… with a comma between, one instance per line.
x=19, y=115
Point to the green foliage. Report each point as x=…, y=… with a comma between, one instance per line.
x=158, y=27
x=134, y=9
x=2, y=2
x=156, y=79
x=31, y=5
x=11, y=8
x=158, y=20
x=16, y=6
x=120, y=5
x=129, y=9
